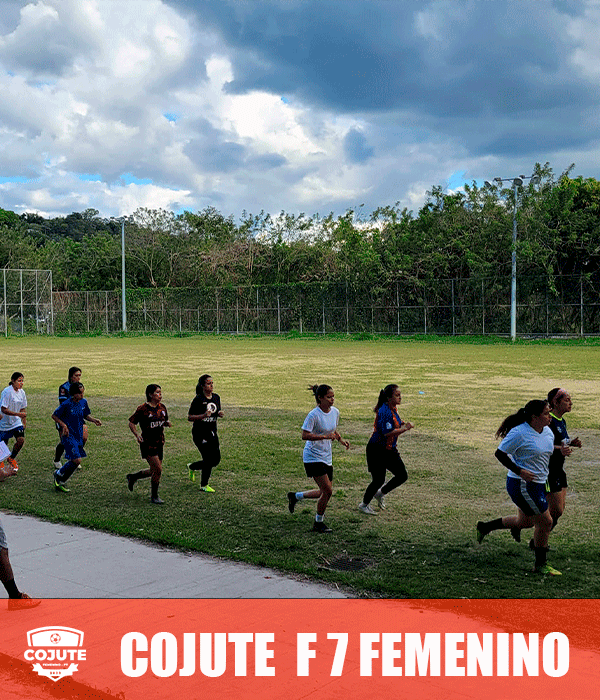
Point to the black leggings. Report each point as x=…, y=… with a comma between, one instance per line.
x=380, y=460
x=208, y=445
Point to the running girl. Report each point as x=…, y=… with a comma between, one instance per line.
x=13, y=405
x=152, y=418
x=203, y=414
x=71, y=416
x=560, y=403
x=525, y=451
x=319, y=430
x=382, y=453
x=63, y=395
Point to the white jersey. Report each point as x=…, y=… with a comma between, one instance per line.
x=319, y=423
x=15, y=401
x=529, y=450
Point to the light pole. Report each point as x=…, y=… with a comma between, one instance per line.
x=123, y=299
x=516, y=182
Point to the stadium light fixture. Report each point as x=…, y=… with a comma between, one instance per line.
x=516, y=183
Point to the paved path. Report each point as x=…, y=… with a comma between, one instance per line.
x=63, y=561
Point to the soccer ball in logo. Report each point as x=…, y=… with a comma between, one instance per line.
x=55, y=638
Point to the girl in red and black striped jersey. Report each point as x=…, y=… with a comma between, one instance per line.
x=152, y=417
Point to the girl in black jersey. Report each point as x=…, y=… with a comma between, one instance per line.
x=560, y=403
x=152, y=418
x=203, y=414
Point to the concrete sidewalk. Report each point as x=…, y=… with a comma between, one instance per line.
x=63, y=561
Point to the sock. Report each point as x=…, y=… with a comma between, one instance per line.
x=154, y=489
x=540, y=556
x=319, y=518
x=490, y=525
x=11, y=589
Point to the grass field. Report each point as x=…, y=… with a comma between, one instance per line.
x=422, y=546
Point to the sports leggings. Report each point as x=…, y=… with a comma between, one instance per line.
x=208, y=445
x=380, y=460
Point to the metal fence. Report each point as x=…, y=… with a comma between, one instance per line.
x=569, y=307
x=26, y=302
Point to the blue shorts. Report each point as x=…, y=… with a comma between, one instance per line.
x=527, y=495
x=13, y=433
x=73, y=449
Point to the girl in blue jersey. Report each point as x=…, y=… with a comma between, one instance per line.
x=70, y=417
x=63, y=395
x=525, y=449
x=382, y=454
x=319, y=430
x=560, y=403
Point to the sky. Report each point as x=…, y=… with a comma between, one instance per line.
x=312, y=106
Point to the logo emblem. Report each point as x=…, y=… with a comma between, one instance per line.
x=55, y=651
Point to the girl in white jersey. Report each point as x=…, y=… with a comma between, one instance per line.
x=525, y=451
x=319, y=430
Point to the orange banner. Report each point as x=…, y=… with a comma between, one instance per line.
x=273, y=649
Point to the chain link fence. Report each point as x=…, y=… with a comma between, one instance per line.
x=26, y=302
x=568, y=307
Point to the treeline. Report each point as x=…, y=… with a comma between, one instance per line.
x=454, y=235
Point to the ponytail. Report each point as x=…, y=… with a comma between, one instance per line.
x=384, y=395
x=523, y=415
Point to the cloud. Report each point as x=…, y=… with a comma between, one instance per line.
x=312, y=105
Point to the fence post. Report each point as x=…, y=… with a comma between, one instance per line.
x=581, y=304
x=482, y=308
x=347, y=312
x=397, y=309
x=278, y=316
x=453, y=317
x=217, y=300
x=21, y=296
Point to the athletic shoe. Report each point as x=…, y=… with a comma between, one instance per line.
x=158, y=501
x=192, y=473
x=380, y=498
x=292, y=500
x=57, y=465
x=321, y=527
x=60, y=485
x=22, y=603
x=207, y=489
x=130, y=481
x=515, y=533
x=480, y=534
x=546, y=569
x=13, y=463
x=366, y=509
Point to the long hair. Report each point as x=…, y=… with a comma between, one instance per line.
x=150, y=389
x=201, y=383
x=72, y=371
x=384, y=395
x=523, y=415
x=319, y=390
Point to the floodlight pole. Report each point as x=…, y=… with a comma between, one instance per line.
x=123, y=299
x=513, y=270
x=516, y=181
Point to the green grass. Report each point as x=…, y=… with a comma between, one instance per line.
x=422, y=546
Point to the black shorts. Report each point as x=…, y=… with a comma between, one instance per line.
x=557, y=480
x=151, y=450
x=318, y=469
